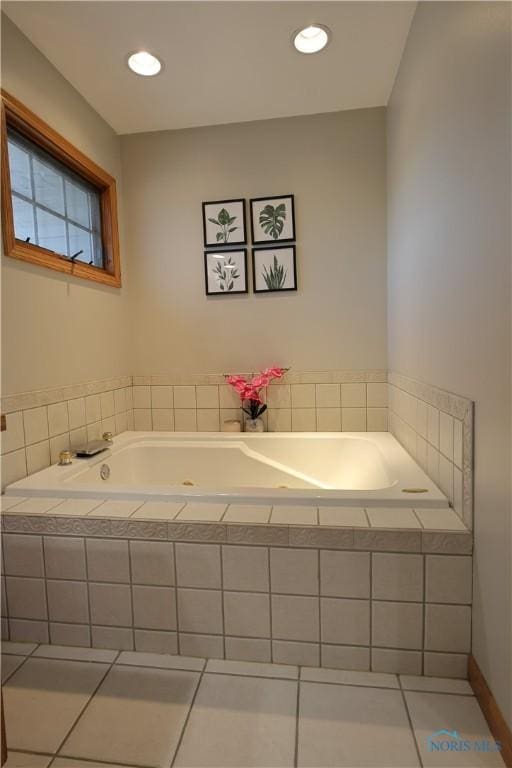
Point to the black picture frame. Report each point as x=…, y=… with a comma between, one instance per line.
x=256, y=251
x=217, y=254
x=269, y=199
x=216, y=203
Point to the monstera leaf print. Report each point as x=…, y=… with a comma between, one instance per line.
x=275, y=276
x=224, y=221
x=272, y=220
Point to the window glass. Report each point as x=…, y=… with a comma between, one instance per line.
x=52, y=206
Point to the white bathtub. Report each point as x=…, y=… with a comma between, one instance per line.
x=350, y=469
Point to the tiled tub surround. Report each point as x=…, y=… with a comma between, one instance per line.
x=436, y=428
x=335, y=590
x=323, y=401
x=41, y=424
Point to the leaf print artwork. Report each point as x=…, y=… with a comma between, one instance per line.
x=226, y=273
x=272, y=219
x=224, y=221
x=275, y=276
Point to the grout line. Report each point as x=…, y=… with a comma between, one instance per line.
x=182, y=734
x=84, y=708
x=176, y=611
x=408, y=715
x=297, y=721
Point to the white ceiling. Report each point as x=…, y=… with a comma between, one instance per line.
x=224, y=61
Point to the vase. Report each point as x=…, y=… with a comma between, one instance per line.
x=254, y=425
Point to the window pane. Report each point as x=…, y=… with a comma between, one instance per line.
x=51, y=232
x=23, y=219
x=80, y=240
x=77, y=204
x=48, y=185
x=19, y=166
x=98, y=250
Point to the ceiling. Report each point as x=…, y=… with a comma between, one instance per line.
x=224, y=61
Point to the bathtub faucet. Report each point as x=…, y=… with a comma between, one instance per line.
x=108, y=437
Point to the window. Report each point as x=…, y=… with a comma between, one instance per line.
x=58, y=207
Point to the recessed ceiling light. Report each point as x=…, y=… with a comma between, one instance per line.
x=311, y=39
x=144, y=63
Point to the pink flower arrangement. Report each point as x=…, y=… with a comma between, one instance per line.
x=250, y=391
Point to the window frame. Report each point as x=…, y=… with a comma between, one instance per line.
x=18, y=117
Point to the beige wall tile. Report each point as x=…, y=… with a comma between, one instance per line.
x=345, y=657
x=76, y=413
x=446, y=476
x=328, y=419
x=58, y=444
x=107, y=404
x=448, y=628
x=247, y=614
x=142, y=397
x=142, y=419
x=328, y=396
x=207, y=396
x=303, y=395
x=422, y=419
x=293, y=571
x=154, y=607
x=457, y=442
x=295, y=618
x=353, y=419
x=209, y=646
x=185, y=419
x=397, y=576
x=198, y=565
x=433, y=426
x=377, y=419
x=397, y=625
x=26, y=598
x=286, y=652
x=200, y=611
x=345, y=622
x=92, y=409
x=14, y=436
x=162, y=419
x=112, y=637
x=162, y=397
x=245, y=568
x=184, y=396
x=228, y=398
x=377, y=395
x=67, y=601
x=353, y=395
x=303, y=419
x=279, y=419
x=35, y=423
x=108, y=560
x=111, y=605
x=38, y=456
x=23, y=555
x=448, y=579
x=279, y=396
x=446, y=665
x=248, y=649
x=396, y=661
x=64, y=557
x=119, y=400
x=152, y=562
x=154, y=641
x=446, y=435
x=345, y=574
x=208, y=420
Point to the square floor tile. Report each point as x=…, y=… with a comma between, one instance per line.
x=431, y=712
x=136, y=716
x=27, y=760
x=435, y=684
x=44, y=698
x=347, y=726
x=9, y=664
x=240, y=721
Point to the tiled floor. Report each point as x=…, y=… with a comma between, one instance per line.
x=68, y=707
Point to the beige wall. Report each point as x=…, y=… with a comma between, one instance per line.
x=449, y=265
x=335, y=166
x=58, y=330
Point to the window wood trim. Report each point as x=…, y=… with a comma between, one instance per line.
x=15, y=115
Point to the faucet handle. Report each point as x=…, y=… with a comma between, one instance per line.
x=108, y=437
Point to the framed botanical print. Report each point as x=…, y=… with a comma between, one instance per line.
x=274, y=269
x=225, y=272
x=273, y=219
x=224, y=223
